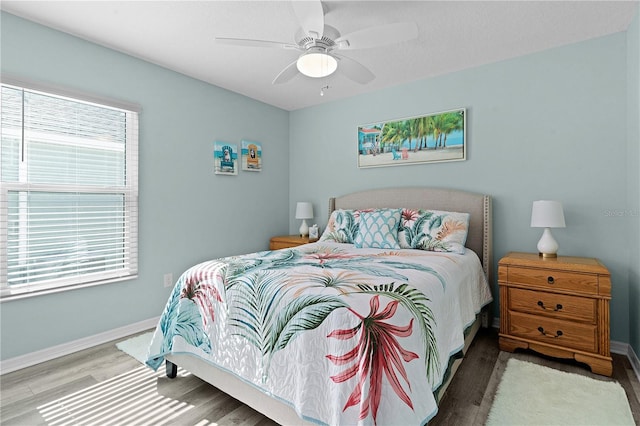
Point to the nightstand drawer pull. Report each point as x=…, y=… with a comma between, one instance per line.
x=550, y=280
x=556, y=309
x=558, y=333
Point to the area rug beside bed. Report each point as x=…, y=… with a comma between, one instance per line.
x=531, y=394
x=137, y=346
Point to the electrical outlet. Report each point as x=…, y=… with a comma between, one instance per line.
x=168, y=279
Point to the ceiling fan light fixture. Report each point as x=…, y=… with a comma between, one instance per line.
x=317, y=64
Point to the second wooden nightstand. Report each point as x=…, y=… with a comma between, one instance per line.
x=286, y=241
x=556, y=306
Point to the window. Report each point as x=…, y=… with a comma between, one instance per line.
x=68, y=192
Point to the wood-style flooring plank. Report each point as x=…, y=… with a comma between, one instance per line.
x=31, y=404
x=463, y=397
x=242, y=416
x=183, y=384
x=18, y=393
x=31, y=418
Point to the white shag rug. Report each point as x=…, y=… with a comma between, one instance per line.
x=136, y=347
x=531, y=394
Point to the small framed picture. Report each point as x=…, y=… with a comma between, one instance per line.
x=313, y=233
x=251, y=156
x=225, y=156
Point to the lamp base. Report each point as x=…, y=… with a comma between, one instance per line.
x=304, y=228
x=547, y=246
x=548, y=255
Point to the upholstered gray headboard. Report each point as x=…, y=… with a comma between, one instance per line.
x=479, y=238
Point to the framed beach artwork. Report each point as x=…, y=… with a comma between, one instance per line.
x=225, y=158
x=422, y=139
x=251, y=156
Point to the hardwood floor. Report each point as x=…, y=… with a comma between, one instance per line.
x=104, y=386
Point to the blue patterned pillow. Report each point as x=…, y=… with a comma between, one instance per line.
x=378, y=229
x=434, y=230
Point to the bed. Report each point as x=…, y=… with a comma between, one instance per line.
x=352, y=329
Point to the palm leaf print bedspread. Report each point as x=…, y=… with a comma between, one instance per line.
x=344, y=335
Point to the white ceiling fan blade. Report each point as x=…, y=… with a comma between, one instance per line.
x=255, y=43
x=354, y=70
x=286, y=74
x=378, y=36
x=310, y=16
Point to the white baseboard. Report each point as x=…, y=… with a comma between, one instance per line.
x=496, y=323
x=616, y=347
x=626, y=349
x=33, y=358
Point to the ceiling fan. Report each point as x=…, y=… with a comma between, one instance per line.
x=318, y=43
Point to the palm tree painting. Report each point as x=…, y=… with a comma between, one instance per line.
x=423, y=139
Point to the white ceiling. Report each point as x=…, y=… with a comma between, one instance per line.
x=453, y=35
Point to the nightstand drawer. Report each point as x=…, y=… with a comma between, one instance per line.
x=551, y=279
x=287, y=241
x=552, y=304
x=553, y=331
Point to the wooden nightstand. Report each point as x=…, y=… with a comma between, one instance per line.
x=556, y=306
x=286, y=241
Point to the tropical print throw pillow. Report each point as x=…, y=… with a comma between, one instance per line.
x=433, y=230
x=342, y=226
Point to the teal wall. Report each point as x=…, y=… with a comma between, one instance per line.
x=550, y=125
x=633, y=170
x=186, y=212
x=559, y=124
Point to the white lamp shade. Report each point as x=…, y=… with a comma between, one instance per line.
x=547, y=214
x=304, y=210
x=317, y=64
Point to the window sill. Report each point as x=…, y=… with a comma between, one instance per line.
x=9, y=295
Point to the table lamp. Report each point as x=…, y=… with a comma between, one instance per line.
x=304, y=211
x=547, y=214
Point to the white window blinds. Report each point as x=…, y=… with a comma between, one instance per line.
x=69, y=192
